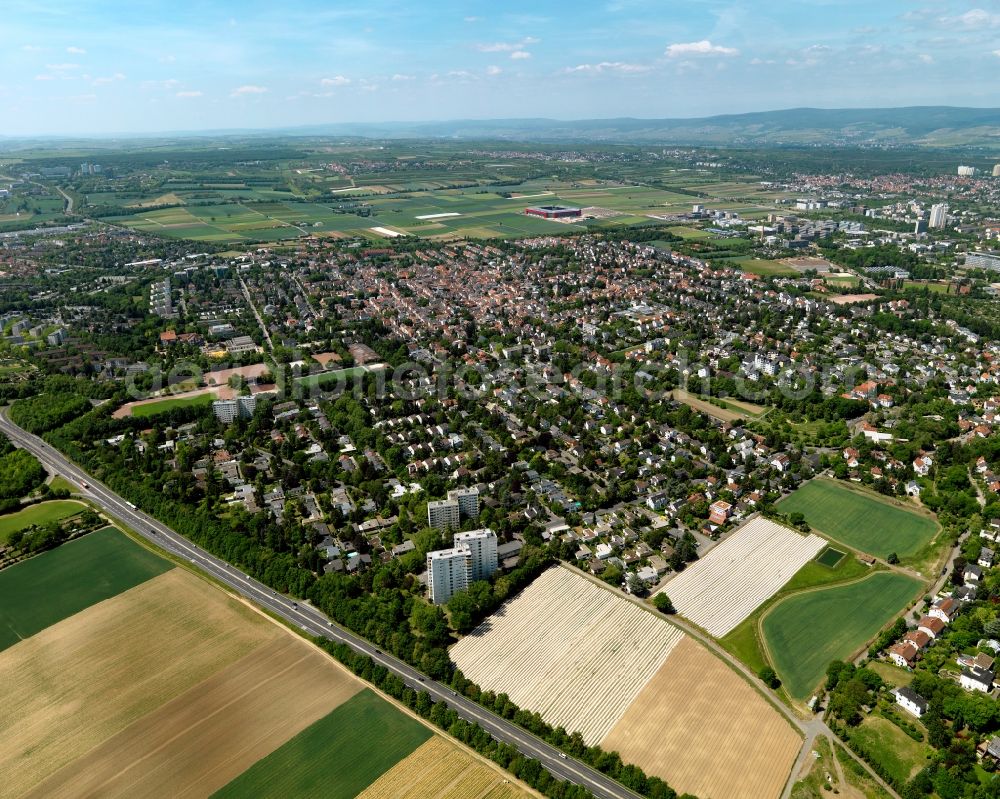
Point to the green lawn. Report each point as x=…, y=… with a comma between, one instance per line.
x=337, y=757
x=860, y=520
x=42, y=513
x=61, y=482
x=803, y=633
x=165, y=405
x=50, y=587
x=892, y=748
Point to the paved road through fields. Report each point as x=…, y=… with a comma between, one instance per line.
x=310, y=620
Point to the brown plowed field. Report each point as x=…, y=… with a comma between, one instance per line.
x=706, y=731
x=75, y=684
x=199, y=741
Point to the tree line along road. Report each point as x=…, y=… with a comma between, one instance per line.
x=311, y=621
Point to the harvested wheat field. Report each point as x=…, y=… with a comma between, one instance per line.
x=442, y=770
x=702, y=728
x=202, y=739
x=72, y=686
x=573, y=651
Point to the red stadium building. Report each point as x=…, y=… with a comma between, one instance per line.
x=553, y=212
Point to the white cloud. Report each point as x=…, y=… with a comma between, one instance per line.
x=399, y=76
x=926, y=58
x=62, y=67
x=493, y=70
x=472, y=19
x=609, y=66
x=507, y=47
x=336, y=80
x=110, y=79
x=30, y=48
x=520, y=55
x=45, y=77
x=704, y=47
x=996, y=53
x=76, y=50
x=976, y=18
x=243, y=91
x=188, y=94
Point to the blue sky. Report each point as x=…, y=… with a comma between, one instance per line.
x=83, y=66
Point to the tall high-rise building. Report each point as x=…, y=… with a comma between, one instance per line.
x=996, y=170
x=448, y=573
x=966, y=171
x=447, y=514
x=939, y=215
x=473, y=557
x=483, y=545
x=468, y=501
x=228, y=410
x=921, y=226
x=444, y=514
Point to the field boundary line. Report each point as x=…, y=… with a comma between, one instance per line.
x=703, y=638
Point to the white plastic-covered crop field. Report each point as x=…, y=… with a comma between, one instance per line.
x=744, y=571
x=570, y=650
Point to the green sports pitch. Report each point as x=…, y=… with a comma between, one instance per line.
x=861, y=521
x=50, y=587
x=337, y=757
x=804, y=632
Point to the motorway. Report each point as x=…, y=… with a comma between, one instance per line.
x=310, y=620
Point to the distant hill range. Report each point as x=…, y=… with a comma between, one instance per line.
x=940, y=126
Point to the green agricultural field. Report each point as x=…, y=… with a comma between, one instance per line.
x=803, y=633
x=337, y=757
x=744, y=642
x=50, y=587
x=758, y=266
x=43, y=513
x=165, y=405
x=860, y=520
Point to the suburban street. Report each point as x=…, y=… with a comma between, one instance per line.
x=308, y=619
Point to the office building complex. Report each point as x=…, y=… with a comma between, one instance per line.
x=966, y=171
x=473, y=557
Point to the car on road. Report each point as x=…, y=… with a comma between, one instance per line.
x=562, y=755
x=454, y=693
x=295, y=604
x=421, y=679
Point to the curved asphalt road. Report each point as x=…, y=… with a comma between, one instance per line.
x=311, y=621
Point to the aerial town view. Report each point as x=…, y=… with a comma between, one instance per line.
x=488, y=402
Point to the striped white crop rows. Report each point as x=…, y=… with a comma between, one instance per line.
x=740, y=574
x=570, y=650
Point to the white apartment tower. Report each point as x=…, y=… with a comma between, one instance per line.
x=939, y=215
x=468, y=501
x=473, y=557
x=447, y=514
x=483, y=545
x=448, y=573
x=443, y=514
